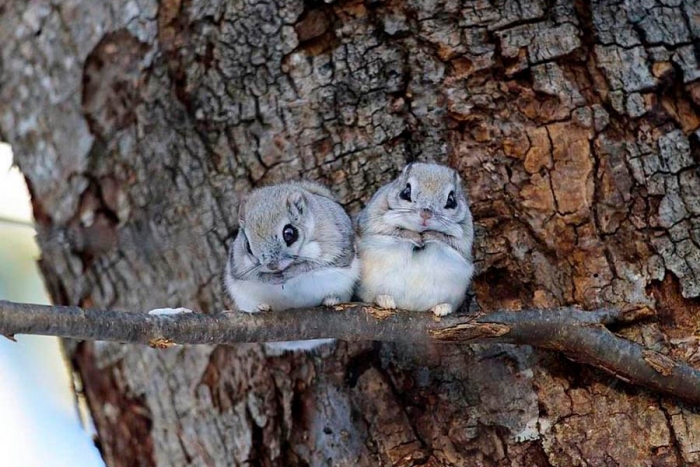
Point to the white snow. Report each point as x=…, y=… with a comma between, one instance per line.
x=169, y=311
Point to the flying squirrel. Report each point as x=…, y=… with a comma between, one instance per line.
x=295, y=248
x=415, y=240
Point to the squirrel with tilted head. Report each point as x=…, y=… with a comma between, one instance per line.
x=295, y=248
x=415, y=240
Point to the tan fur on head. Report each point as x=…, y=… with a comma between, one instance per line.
x=421, y=190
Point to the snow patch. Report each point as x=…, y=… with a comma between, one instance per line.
x=169, y=311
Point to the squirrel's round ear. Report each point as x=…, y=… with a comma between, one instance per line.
x=296, y=204
x=457, y=179
x=406, y=171
x=241, y=211
x=459, y=185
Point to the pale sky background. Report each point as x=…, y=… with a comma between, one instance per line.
x=39, y=422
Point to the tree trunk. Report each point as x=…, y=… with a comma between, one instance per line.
x=140, y=124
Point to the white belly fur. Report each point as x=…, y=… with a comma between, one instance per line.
x=417, y=280
x=306, y=290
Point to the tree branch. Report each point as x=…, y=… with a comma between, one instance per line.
x=16, y=222
x=581, y=335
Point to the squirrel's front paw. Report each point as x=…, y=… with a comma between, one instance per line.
x=331, y=301
x=433, y=237
x=442, y=309
x=263, y=307
x=415, y=238
x=385, y=301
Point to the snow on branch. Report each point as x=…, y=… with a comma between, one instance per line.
x=583, y=336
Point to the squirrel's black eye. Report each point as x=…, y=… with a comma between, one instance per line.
x=290, y=234
x=406, y=193
x=451, y=201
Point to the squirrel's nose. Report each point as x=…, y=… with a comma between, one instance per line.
x=273, y=265
x=426, y=214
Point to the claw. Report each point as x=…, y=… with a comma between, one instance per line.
x=385, y=301
x=442, y=309
x=331, y=301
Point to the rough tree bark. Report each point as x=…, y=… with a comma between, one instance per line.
x=139, y=124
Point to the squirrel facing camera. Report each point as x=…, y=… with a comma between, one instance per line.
x=415, y=240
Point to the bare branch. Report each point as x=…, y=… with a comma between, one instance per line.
x=16, y=222
x=581, y=335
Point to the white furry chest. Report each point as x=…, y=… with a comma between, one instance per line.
x=417, y=280
x=303, y=291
